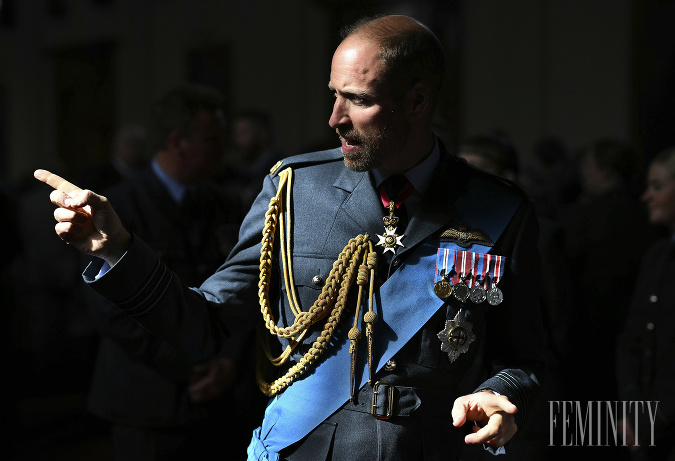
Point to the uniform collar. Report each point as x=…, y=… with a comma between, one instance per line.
x=420, y=175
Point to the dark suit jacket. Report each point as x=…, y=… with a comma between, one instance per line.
x=139, y=379
x=646, y=348
x=332, y=204
x=602, y=266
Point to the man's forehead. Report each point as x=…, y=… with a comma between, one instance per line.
x=356, y=67
x=356, y=55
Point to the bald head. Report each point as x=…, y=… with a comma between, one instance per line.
x=409, y=51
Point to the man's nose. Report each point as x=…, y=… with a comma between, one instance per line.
x=339, y=115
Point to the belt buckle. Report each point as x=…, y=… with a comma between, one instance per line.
x=387, y=406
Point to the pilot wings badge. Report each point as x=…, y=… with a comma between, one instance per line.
x=464, y=236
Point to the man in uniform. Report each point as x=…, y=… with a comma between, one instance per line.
x=440, y=271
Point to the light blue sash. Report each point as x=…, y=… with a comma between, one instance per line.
x=325, y=388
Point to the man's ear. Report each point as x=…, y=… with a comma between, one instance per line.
x=418, y=100
x=174, y=143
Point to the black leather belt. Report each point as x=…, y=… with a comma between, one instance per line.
x=384, y=400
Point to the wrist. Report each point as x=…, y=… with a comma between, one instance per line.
x=487, y=389
x=117, y=251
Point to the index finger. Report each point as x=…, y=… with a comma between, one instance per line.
x=56, y=181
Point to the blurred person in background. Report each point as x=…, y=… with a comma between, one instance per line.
x=550, y=176
x=163, y=404
x=129, y=155
x=606, y=232
x=646, y=347
x=251, y=154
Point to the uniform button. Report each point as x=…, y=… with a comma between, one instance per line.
x=396, y=262
x=317, y=280
x=390, y=365
x=650, y=326
x=653, y=298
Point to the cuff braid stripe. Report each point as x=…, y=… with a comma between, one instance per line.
x=152, y=290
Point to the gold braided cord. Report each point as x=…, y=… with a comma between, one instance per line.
x=370, y=317
x=330, y=303
x=285, y=233
x=366, y=272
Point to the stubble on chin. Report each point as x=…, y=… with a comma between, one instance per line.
x=360, y=163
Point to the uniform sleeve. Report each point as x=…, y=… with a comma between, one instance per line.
x=214, y=319
x=515, y=346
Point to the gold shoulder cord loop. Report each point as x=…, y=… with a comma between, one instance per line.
x=358, y=252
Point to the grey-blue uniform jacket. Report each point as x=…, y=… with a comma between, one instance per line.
x=330, y=205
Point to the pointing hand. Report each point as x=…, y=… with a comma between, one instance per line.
x=86, y=220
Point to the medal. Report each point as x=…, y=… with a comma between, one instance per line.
x=478, y=294
x=478, y=291
x=442, y=288
x=461, y=291
x=390, y=240
x=465, y=262
x=494, y=294
x=457, y=336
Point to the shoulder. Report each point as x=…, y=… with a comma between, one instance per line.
x=324, y=157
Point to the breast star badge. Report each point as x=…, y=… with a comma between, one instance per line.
x=390, y=240
x=457, y=336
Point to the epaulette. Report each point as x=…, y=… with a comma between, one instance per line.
x=303, y=160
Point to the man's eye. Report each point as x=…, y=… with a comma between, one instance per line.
x=359, y=101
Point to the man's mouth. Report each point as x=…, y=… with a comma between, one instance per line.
x=349, y=144
x=349, y=147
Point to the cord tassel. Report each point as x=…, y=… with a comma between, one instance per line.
x=354, y=336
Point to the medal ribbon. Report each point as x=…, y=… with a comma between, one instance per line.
x=483, y=264
x=442, y=257
x=499, y=269
x=464, y=260
x=485, y=270
x=474, y=268
x=495, y=271
x=405, y=193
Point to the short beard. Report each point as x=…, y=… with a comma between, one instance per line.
x=372, y=153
